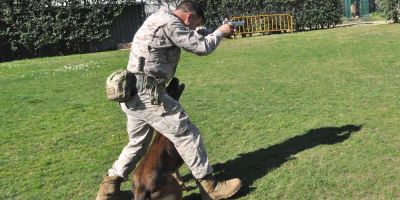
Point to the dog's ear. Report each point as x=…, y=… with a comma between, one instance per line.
x=175, y=89
x=181, y=88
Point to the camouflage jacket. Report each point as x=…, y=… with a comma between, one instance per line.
x=160, y=39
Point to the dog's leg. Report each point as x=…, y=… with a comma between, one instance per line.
x=172, y=191
x=178, y=178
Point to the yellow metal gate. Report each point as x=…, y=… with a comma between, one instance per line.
x=264, y=24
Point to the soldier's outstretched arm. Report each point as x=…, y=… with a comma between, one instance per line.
x=192, y=42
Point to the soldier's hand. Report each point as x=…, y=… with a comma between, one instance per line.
x=226, y=29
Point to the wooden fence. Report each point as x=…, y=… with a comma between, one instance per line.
x=264, y=24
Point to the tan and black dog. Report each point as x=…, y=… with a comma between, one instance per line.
x=154, y=176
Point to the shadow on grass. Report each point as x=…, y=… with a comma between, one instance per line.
x=254, y=165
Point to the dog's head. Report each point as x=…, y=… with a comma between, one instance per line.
x=175, y=89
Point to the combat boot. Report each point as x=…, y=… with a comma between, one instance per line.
x=110, y=188
x=211, y=189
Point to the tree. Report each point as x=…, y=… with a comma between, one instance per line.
x=173, y=3
x=169, y=3
x=391, y=9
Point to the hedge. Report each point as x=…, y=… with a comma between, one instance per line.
x=308, y=14
x=30, y=28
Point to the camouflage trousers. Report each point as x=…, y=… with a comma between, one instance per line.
x=169, y=119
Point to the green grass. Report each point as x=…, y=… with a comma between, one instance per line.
x=376, y=16
x=263, y=105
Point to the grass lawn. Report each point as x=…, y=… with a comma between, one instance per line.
x=311, y=115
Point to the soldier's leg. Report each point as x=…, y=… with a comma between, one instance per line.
x=171, y=120
x=190, y=147
x=140, y=135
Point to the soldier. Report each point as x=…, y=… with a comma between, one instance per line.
x=154, y=55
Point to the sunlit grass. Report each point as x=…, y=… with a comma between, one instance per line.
x=261, y=103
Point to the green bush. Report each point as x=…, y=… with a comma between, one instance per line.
x=391, y=9
x=31, y=28
x=308, y=14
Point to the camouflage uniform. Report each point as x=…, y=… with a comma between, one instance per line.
x=159, y=41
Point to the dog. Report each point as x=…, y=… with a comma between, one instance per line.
x=157, y=175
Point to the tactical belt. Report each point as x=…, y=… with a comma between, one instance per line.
x=150, y=85
x=145, y=83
